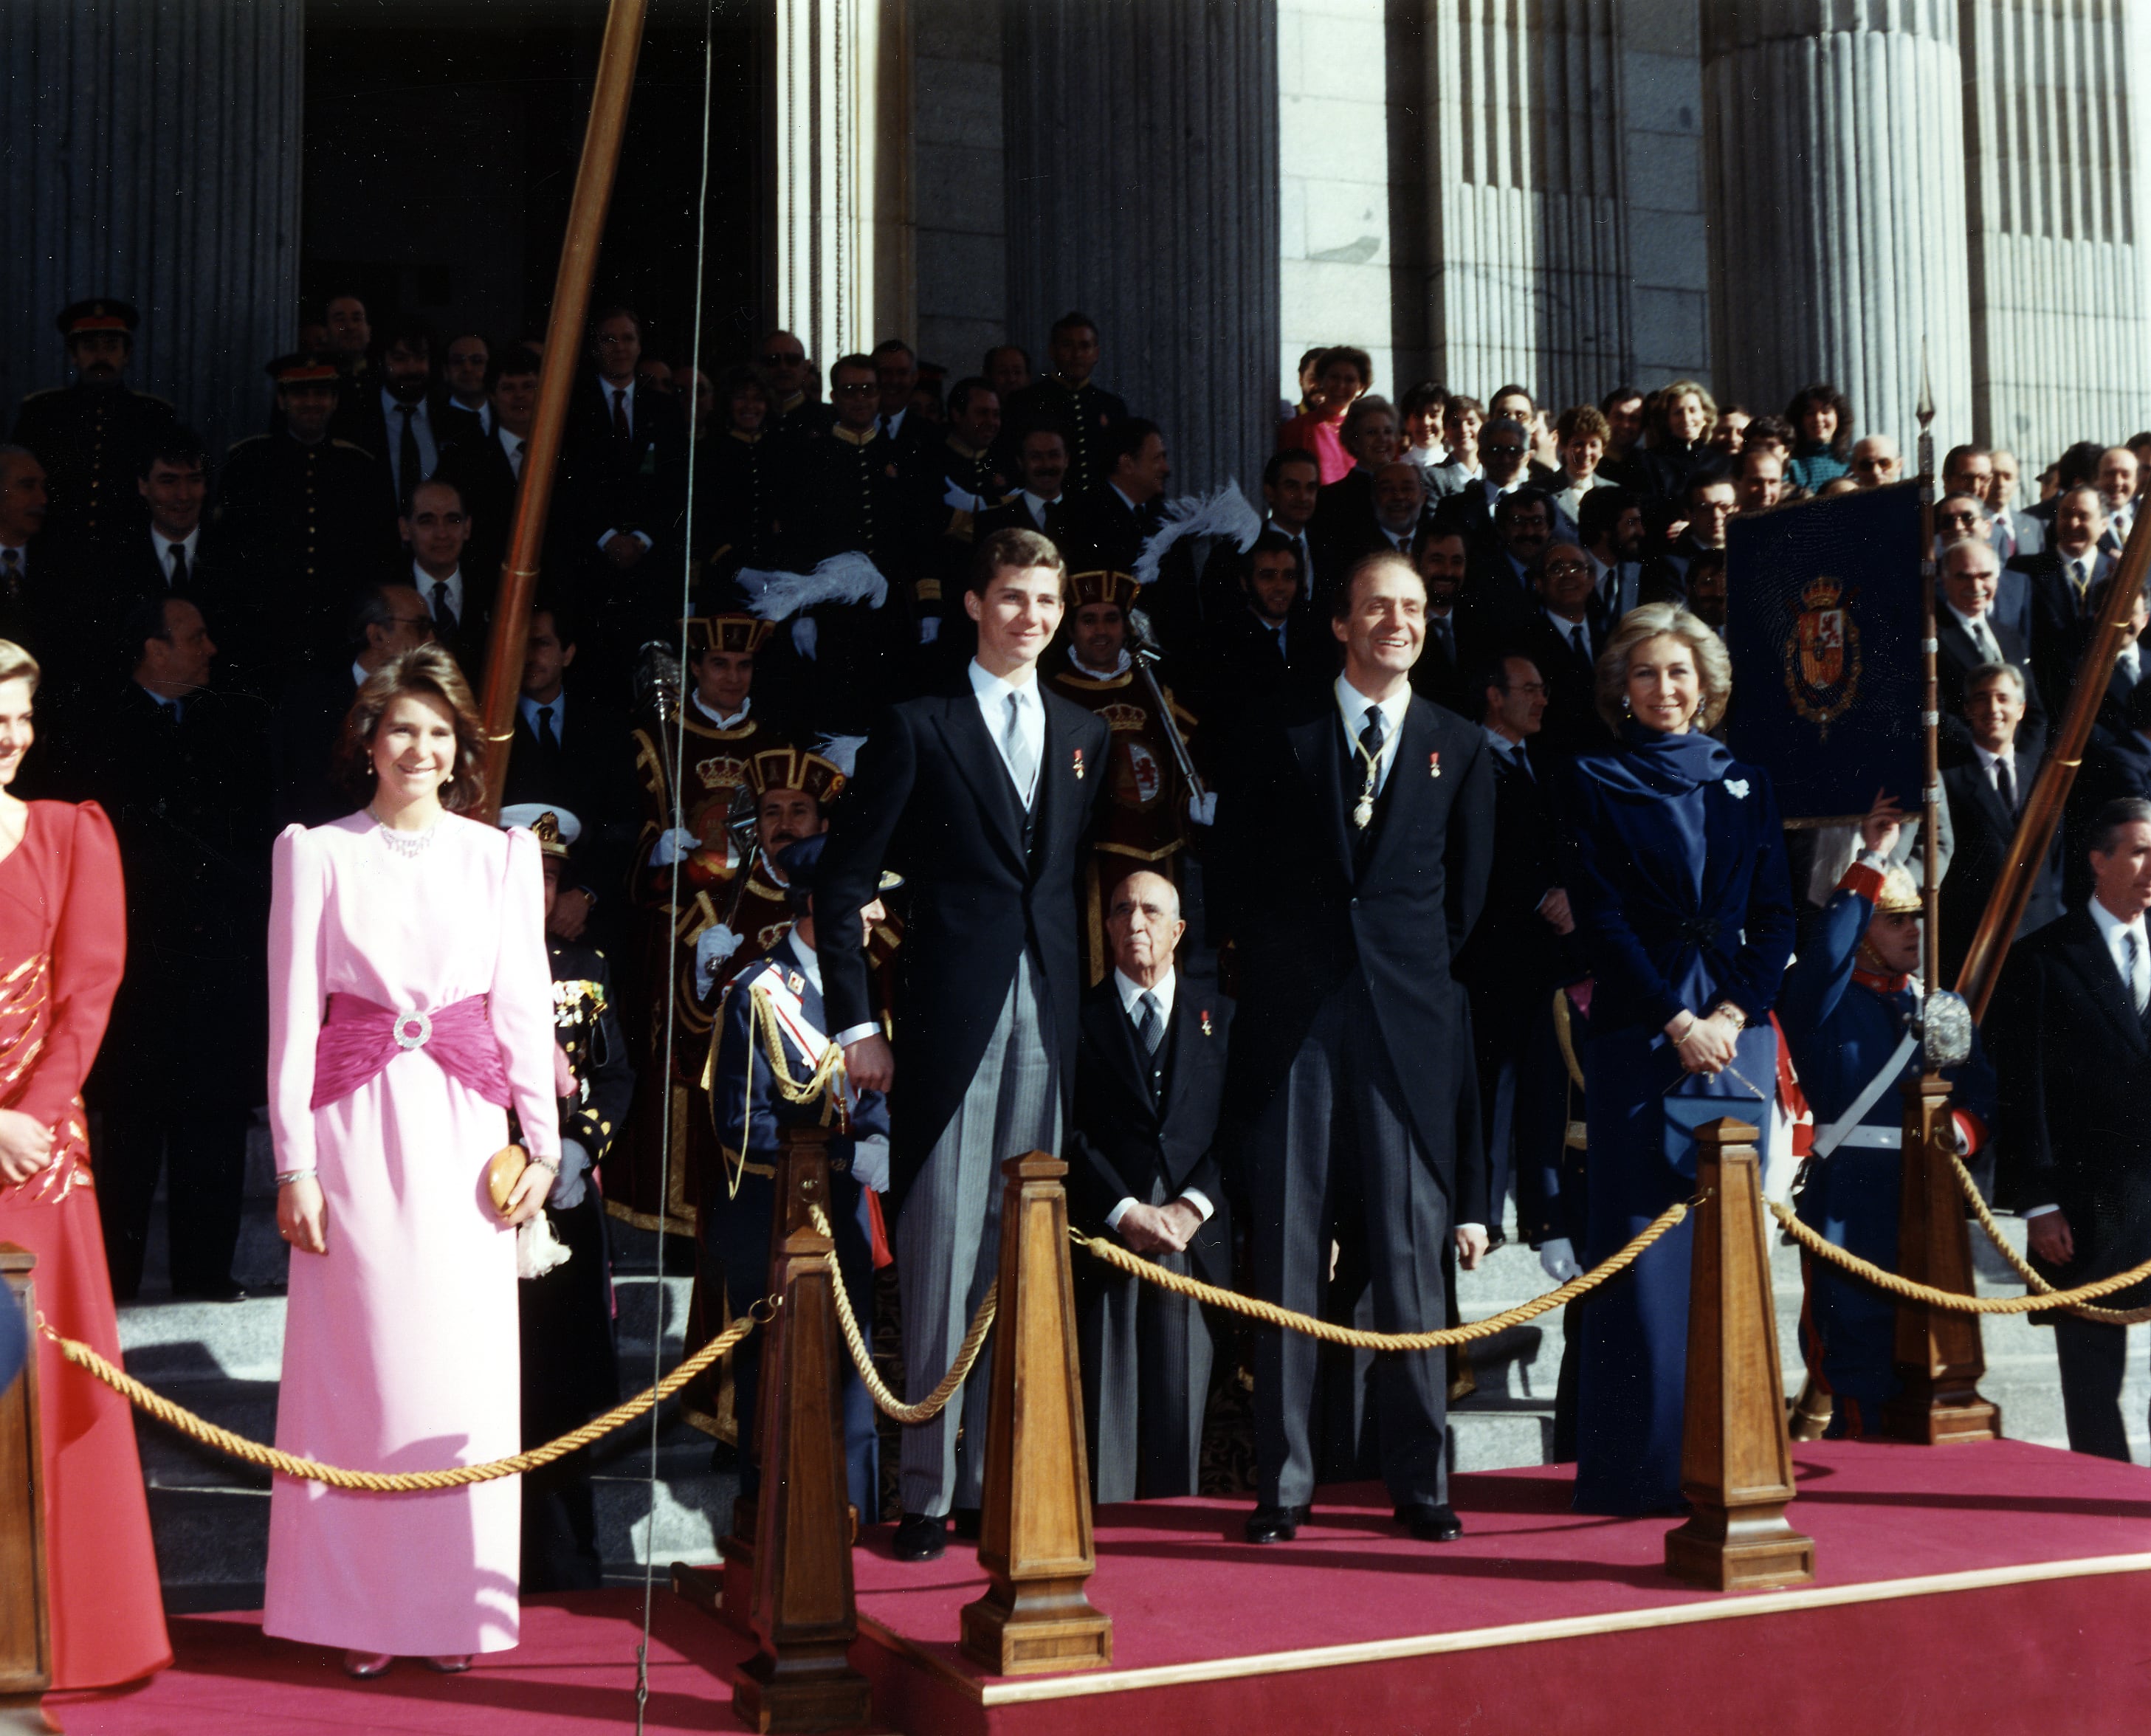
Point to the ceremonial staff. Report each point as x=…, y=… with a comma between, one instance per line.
x=1930, y=860
x=564, y=327
x=1143, y=648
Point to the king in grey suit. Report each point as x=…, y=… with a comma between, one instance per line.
x=984, y=820
x=1356, y=835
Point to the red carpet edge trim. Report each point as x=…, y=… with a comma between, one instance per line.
x=1732, y=1607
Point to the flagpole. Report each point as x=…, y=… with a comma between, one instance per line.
x=563, y=352
x=1931, y=860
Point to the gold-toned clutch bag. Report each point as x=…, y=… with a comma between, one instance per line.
x=502, y=1170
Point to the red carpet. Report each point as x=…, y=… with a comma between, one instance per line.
x=2003, y=1587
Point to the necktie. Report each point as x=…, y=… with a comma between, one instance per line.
x=1151, y=1030
x=1578, y=644
x=1370, y=754
x=546, y=739
x=515, y=460
x=2136, y=969
x=444, y=617
x=2080, y=579
x=1983, y=637
x=620, y=431
x=1443, y=630
x=1017, y=751
x=886, y=429
x=179, y=565
x=2005, y=785
x=408, y=462
x=10, y=574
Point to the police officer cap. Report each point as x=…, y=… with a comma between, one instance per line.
x=302, y=369
x=801, y=864
x=102, y=315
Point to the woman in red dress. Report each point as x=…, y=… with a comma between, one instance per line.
x=63, y=941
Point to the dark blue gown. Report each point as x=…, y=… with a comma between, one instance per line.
x=1682, y=901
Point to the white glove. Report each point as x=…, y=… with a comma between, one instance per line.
x=1202, y=809
x=929, y=628
x=870, y=1162
x=675, y=845
x=712, y=947
x=568, y=1191
x=803, y=636
x=1557, y=1259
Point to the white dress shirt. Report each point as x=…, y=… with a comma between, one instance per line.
x=1567, y=630
x=1036, y=504
x=1131, y=992
x=2116, y=935
x=624, y=395
x=1988, y=762
x=557, y=705
x=1980, y=629
x=733, y=722
x=512, y=444
x=483, y=409
x=191, y=542
x=1352, y=706
x=993, y=696
x=422, y=428
x=426, y=581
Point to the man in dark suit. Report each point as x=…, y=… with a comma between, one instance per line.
x=437, y=532
x=1610, y=525
x=1065, y=401
x=1559, y=639
x=1520, y=952
x=2076, y=1072
x=980, y=795
x=1143, y=1166
x=1503, y=453
x=2064, y=576
x=385, y=621
x=2114, y=766
x=573, y=751
x=1114, y=518
x=1443, y=671
x=184, y=776
x=487, y=463
x=402, y=420
x=1498, y=596
x=1375, y=808
x=1041, y=502
x=1967, y=637
x=1292, y=486
x=623, y=483
x=1986, y=793
x=1267, y=649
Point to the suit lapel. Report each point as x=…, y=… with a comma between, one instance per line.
x=964, y=728
x=1189, y=1041
x=2095, y=967
x=1410, y=778
x=1056, y=761
x=1115, y=1039
x=1314, y=745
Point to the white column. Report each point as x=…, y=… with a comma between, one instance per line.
x=826, y=122
x=151, y=152
x=1837, y=194
x=2056, y=146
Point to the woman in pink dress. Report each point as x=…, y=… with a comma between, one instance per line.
x=411, y=1003
x=62, y=940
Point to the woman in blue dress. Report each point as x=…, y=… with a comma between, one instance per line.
x=1684, y=909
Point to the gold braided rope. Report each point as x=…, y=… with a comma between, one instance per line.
x=929, y=1407
x=2107, y=1316
x=1331, y=1333
x=816, y=1085
x=1950, y=1299
x=380, y=1482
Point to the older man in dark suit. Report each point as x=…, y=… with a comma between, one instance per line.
x=2076, y=1072
x=1986, y=793
x=980, y=794
x=1968, y=635
x=1352, y=1056
x=1143, y=1166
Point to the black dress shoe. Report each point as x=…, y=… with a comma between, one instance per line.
x=1274, y=1525
x=1431, y=1522
x=216, y=1290
x=921, y=1537
x=968, y=1523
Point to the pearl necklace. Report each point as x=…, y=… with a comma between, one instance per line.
x=406, y=844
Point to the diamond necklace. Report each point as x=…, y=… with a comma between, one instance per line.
x=405, y=844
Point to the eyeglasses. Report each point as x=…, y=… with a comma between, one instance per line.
x=777, y=358
x=1506, y=452
x=1567, y=569
x=860, y=388
x=1529, y=690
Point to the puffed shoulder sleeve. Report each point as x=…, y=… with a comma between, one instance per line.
x=521, y=999
x=89, y=952
x=298, y=894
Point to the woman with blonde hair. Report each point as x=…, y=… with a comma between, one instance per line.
x=62, y=942
x=1684, y=908
x=410, y=1007
x=1680, y=418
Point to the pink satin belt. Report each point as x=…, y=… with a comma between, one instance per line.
x=360, y=1037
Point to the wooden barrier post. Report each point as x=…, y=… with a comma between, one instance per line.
x=1736, y=1463
x=1034, y=1531
x=26, y=1638
x=1939, y=1358
x=801, y=1608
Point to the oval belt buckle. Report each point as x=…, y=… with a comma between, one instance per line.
x=413, y=1029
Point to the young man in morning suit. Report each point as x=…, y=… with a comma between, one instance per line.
x=1351, y=1052
x=980, y=794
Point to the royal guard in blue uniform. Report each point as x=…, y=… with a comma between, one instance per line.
x=570, y=1372
x=1849, y=1011
x=773, y=1009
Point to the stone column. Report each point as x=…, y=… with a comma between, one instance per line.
x=151, y=152
x=1836, y=150
x=1142, y=188
x=2060, y=345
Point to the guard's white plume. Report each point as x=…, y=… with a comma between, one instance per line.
x=848, y=578
x=1225, y=513
x=842, y=752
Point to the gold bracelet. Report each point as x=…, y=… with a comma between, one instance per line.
x=1726, y=1007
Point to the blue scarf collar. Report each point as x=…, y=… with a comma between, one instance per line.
x=1652, y=763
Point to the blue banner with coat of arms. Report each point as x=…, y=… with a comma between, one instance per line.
x=1824, y=622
